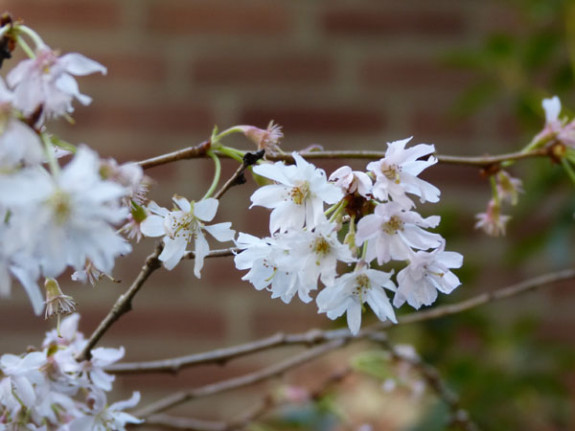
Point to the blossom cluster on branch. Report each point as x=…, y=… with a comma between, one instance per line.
x=336, y=240
x=49, y=389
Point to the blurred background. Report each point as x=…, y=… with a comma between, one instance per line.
x=467, y=76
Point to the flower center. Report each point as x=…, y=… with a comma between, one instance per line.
x=61, y=206
x=391, y=172
x=300, y=193
x=321, y=246
x=362, y=285
x=183, y=226
x=394, y=225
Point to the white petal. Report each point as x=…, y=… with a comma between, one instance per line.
x=552, y=107
x=221, y=231
x=206, y=210
x=354, y=317
x=77, y=64
x=153, y=226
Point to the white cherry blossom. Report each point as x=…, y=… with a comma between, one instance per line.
x=47, y=81
x=396, y=174
x=184, y=226
x=392, y=231
x=314, y=255
x=67, y=218
x=352, y=290
x=427, y=273
x=298, y=197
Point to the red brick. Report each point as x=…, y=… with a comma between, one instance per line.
x=304, y=119
x=287, y=318
x=411, y=73
x=155, y=119
x=186, y=378
x=433, y=124
x=134, y=67
x=287, y=69
x=65, y=13
x=376, y=22
x=201, y=17
x=189, y=322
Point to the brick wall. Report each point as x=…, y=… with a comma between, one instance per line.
x=340, y=73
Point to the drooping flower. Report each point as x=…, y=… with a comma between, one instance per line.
x=492, y=222
x=350, y=291
x=392, y=231
x=396, y=174
x=508, y=187
x=47, y=82
x=184, y=226
x=427, y=273
x=56, y=302
x=298, y=196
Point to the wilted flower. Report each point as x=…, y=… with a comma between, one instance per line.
x=266, y=139
x=56, y=302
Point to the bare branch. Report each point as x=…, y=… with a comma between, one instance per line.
x=314, y=337
x=199, y=151
x=213, y=253
x=123, y=303
x=485, y=298
x=194, y=152
x=267, y=404
x=459, y=416
x=237, y=178
x=239, y=382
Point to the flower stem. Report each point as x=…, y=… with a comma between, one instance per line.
x=25, y=47
x=568, y=168
x=217, y=174
x=231, y=153
x=49, y=151
x=32, y=35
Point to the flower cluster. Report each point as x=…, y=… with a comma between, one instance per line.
x=373, y=212
x=50, y=389
x=55, y=215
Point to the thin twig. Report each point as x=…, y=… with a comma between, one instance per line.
x=315, y=336
x=194, y=152
x=237, y=178
x=199, y=151
x=224, y=252
x=496, y=295
x=123, y=303
x=459, y=416
x=239, y=382
x=268, y=403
